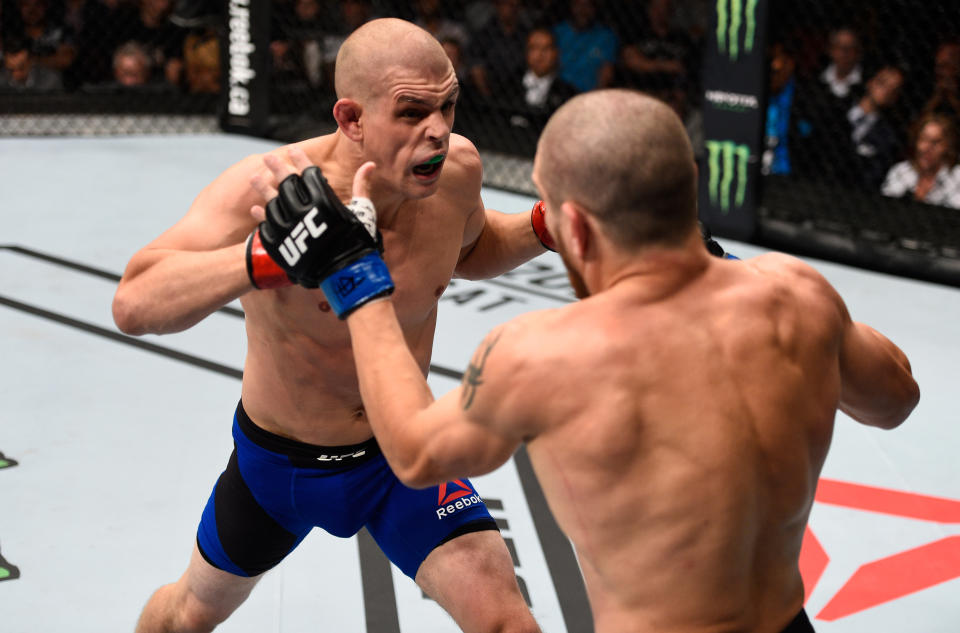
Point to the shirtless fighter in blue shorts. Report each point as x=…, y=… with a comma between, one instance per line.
x=301, y=426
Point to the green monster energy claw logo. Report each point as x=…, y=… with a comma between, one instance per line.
x=729, y=20
x=734, y=167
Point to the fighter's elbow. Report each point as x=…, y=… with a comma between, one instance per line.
x=127, y=315
x=417, y=481
x=417, y=474
x=909, y=400
x=889, y=412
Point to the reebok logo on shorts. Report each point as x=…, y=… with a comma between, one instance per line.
x=455, y=496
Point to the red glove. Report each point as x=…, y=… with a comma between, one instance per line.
x=540, y=226
x=264, y=272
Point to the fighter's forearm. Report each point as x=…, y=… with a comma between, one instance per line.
x=164, y=291
x=507, y=240
x=392, y=385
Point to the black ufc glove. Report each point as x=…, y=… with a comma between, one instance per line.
x=317, y=242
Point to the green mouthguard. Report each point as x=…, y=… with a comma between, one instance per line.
x=436, y=159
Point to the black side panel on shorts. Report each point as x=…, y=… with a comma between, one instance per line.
x=473, y=526
x=249, y=536
x=800, y=624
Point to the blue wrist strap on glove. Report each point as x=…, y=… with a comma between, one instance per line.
x=357, y=283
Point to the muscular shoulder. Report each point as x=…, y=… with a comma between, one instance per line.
x=463, y=169
x=791, y=275
x=508, y=373
x=784, y=266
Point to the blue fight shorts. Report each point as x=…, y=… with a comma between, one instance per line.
x=275, y=490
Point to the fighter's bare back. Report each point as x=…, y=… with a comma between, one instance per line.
x=680, y=470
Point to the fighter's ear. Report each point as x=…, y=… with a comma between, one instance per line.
x=347, y=114
x=577, y=227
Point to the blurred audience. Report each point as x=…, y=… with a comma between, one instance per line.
x=782, y=86
x=297, y=45
x=353, y=14
x=930, y=174
x=430, y=15
x=22, y=73
x=876, y=140
x=148, y=22
x=540, y=89
x=201, y=61
x=91, y=22
x=655, y=56
x=588, y=48
x=454, y=50
x=51, y=42
x=946, y=88
x=497, y=48
x=518, y=60
x=844, y=75
x=132, y=65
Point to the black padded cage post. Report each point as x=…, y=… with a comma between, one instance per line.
x=734, y=109
x=245, y=66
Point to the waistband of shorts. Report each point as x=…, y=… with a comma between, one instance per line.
x=305, y=455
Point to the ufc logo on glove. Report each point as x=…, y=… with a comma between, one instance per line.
x=296, y=243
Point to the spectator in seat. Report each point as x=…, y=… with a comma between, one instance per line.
x=353, y=14
x=776, y=156
x=875, y=139
x=429, y=15
x=588, y=48
x=655, y=56
x=22, y=73
x=91, y=24
x=542, y=88
x=531, y=97
x=844, y=75
x=930, y=174
x=678, y=98
x=454, y=50
x=298, y=49
x=946, y=88
x=149, y=23
x=201, y=61
x=497, y=49
x=132, y=66
x=50, y=41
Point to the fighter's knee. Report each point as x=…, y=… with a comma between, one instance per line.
x=196, y=616
x=195, y=620
x=520, y=623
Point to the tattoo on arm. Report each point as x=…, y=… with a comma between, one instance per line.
x=473, y=377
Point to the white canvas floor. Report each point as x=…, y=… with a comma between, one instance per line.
x=119, y=440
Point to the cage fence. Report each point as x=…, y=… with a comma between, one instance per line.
x=856, y=105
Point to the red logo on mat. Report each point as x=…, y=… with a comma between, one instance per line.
x=891, y=577
x=455, y=493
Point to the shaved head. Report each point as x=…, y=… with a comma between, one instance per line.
x=626, y=158
x=380, y=44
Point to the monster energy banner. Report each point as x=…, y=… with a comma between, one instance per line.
x=245, y=53
x=734, y=106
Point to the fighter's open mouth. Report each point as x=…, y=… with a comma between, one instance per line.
x=430, y=167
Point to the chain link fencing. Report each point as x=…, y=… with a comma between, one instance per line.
x=862, y=100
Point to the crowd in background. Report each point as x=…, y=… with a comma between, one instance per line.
x=104, y=45
x=872, y=119
x=848, y=101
